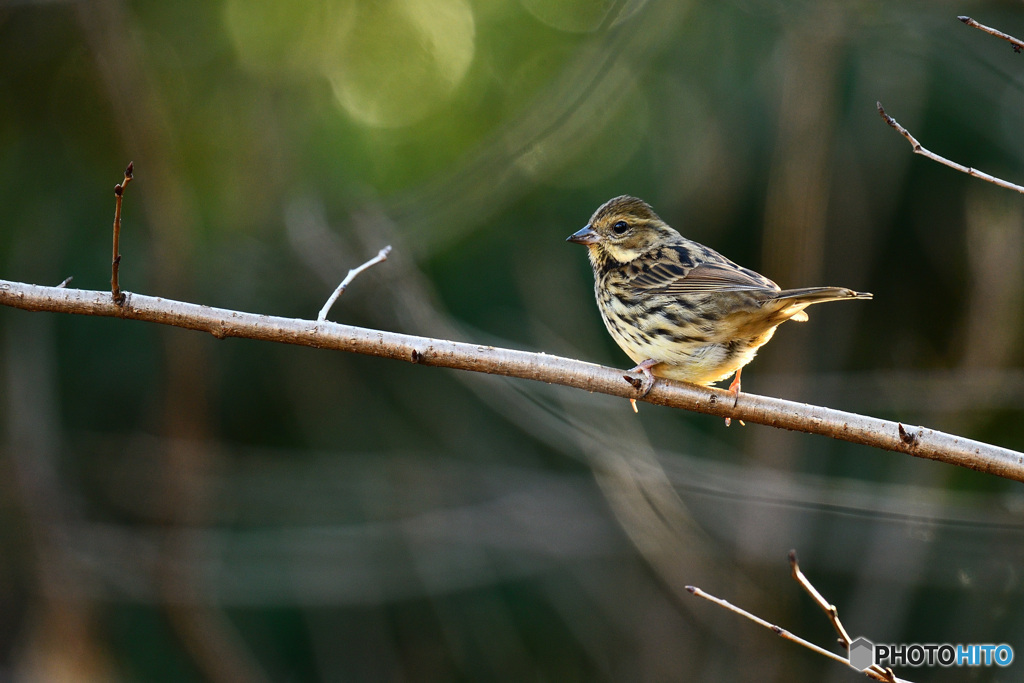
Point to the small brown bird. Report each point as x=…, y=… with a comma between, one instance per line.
x=677, y=308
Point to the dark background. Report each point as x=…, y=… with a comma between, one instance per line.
x=178, y=508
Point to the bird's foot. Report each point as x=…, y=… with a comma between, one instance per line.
x=734, y=389
x=643, y=385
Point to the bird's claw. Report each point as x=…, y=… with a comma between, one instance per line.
x=645, y=382
x=642, y=384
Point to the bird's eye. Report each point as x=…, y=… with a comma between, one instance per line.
x=620, y=228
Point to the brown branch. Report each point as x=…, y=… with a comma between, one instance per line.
x=115, y=287
x=382, y=255
x=919, y=149
x=778, y=630
x=829, y=609
x=874, y=671
x=1018, y=45
x=221, y=323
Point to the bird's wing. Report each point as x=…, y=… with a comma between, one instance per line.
x=667, y=276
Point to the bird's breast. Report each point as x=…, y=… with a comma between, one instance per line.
x=691, y=336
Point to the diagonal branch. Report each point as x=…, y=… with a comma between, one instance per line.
x=382, y=255
x=778, y=630
x=920, y=149
x=1017, y=44
x=221, y=323
x=828, y=608
x=874, y=671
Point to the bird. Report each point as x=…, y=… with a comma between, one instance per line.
x=679, y=309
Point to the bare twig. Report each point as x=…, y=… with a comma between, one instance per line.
x=778, y=630
x=66, y=281
x=919, y=149
x=874, y=671
x=541, y=367
x=1018, y=45
x=829, y=609
x=382, y=255
x=115, y=287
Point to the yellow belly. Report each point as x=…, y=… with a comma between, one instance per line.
x=697, y=362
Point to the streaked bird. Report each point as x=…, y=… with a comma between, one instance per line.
x=677, y=308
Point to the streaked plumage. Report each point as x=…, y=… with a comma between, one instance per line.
x=677, y=308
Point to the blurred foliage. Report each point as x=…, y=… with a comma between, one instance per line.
x=174, y=507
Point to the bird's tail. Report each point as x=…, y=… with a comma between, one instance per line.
x=799, y=299
x=814, y=295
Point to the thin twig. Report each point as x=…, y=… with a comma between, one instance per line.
x=869, y=431
x=778, y=630
x=115, y=287
x=382, y=255
x=66, y=281
x=832, y=613
x=829, y=609
x=1018, y=45
x=875, y=671
x=919, y=149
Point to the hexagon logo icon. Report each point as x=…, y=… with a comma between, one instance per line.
x=862, y=654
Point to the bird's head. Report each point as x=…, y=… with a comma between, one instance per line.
x=621, y=230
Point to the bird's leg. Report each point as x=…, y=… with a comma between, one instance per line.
x=734, y=389
x=645, y=385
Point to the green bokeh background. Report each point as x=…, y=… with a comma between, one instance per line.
x=178, y=508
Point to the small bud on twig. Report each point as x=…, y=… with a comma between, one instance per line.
x=1014, y=42
x=115, y=287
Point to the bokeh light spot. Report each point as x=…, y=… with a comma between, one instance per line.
x=402, y=59
x=295, y=37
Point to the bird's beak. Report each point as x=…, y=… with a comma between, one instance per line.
x=586, y=235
